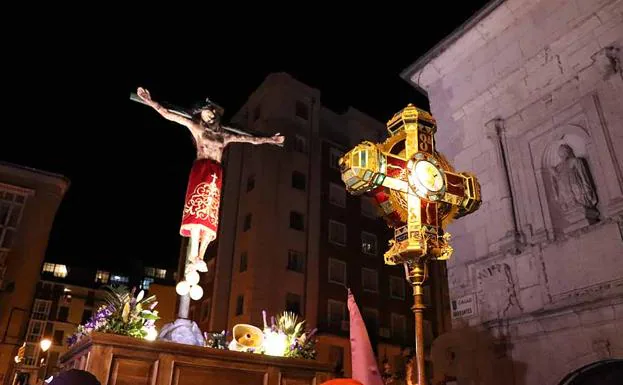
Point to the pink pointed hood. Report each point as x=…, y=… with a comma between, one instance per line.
x=365, y=368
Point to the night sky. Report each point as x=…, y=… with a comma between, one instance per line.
x=128, y=166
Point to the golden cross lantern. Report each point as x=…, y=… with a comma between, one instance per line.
x=418, y=192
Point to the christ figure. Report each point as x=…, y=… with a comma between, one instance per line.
x=203, y=193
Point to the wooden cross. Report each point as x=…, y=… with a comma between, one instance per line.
x=418, y=192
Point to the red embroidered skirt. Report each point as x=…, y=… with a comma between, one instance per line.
x=203, y=198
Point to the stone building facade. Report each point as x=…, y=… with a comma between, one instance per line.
x=528, y=94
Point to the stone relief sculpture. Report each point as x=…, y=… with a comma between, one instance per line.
x=572, y=181
x=497, y=294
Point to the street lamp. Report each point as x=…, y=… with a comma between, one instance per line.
x=44, y=344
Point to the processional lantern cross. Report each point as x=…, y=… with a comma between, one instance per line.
x=419, y=194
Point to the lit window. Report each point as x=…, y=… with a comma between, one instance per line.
x=147, y=281
x=369, y=280
x=368, y=243
x=48, y=267
x=337, y=195
x=102, y=276
x=337, y=233
x=337, y=271
x=150, y=271
x=161, y=273
x=60, y=271
x=120, y=279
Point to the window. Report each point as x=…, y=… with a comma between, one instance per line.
x=161, y=273
x=35, y=331
x=398, y=326
x=301, y=110
x=150, y=271
x=243, y=262
x=206, y=306
x=296, y=261
x=337, y=233
x=41, y=309
x=48, y=267
x=337, y=271
x=298, y=180
x=336, y=313
x=63, y=313
x=368, y=243
x=369, y=208
x=247, y=222
x=59, y=271
x=293, y=303
x=334, y=158
x=370, y=280
x=396, y=287
x=337, y=195
x=297, y=221
x=30, y=355
x=11, y=206
x=102, y=276
x=146, y=282
x=300, y=144
x=371, y=319
x=58, y=337
x=86, y=316
x=239, y=305
x=120, y=279
x=250, y=183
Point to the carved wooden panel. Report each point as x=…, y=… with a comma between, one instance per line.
x=294, y=378
x=129, y=371
x=195, y=375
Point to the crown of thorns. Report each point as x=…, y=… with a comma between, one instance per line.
x=208, y=104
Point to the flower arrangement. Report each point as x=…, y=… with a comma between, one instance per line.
x=122, y=314
x=287, y=337
x=300, y=342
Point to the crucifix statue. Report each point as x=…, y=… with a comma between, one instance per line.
x=418, y=192
x=203, y=193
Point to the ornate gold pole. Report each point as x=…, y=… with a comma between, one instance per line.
x=416, y=274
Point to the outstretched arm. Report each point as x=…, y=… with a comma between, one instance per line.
x=165, y=112
x=276, y=139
